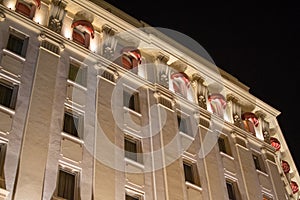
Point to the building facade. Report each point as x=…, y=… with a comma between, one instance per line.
x=97, y=105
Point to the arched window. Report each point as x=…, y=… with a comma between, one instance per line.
x=250, y=122
x=180, y=83
x=83, y=30
x=131, y=58
x=275, y=143
x=285, y=166
x=27, y=8
x=294, y=187
x=217, y=103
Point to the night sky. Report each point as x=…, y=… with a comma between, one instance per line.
x=255, y=41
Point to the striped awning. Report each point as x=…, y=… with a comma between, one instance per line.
x=84, y=25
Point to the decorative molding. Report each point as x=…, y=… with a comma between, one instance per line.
x=2, y=16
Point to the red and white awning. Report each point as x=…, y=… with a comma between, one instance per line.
x=285, y=166
x=294, y=187
x=84, y=25
x=251, y=117
x=275, y=143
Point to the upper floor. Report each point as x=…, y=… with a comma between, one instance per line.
x=142, y=52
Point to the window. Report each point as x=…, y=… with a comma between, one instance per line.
x=224, y=144
x=3, y=146
x=26, y=8
x=73, y=123
x=17, y=43
x=67, y=184
x=8, y=94
x=258, y=162
x=133, y=194
x=2, y=158
x=78, y=74
x=131, y=100
x=183, y=125
x=128, y=197
x=232, y=190
x=133, y=149
x=191, y=173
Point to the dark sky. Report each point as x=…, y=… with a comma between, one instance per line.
x=255, y=41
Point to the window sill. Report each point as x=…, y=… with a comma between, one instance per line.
x=7, y=110
x=134, y=163
x=72, y=138
x=262, y=173
x=77, y=85
x=193, y=186
x=186, y=136
x=3, y=193
x=14, y=55
x=226, y=155
x=132, y=111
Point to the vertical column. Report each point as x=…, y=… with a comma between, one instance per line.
x=57, y=14
x=265, y=130
x=200, y=90
x=36, y=134
x=234, y=111
x=162, y=70
x=109, y=42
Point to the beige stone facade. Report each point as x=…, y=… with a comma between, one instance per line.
x=97, y=105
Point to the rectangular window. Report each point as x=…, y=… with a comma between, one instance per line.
x=2, y=158
x=73, y=123
x=183, y=125
x=223, y=144
x=8, y=94
x=128, y=197
x=191, y=173
x=232, y=190
x=133, y=149
x=258, y=162
x=131, y=100
x=17, y=42
x=67, y=184
x=3, y=147
x=78, y=73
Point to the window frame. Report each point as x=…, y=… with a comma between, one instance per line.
x=138, y=149
x=3, y=150
x=22, y=37
x=76, y=174
x=224, y=145
x=134, y=194
x=80, y=127
x=82, y=70
x=235, y=189
x=14, y=93
x=131, y=99
x=194, y=172
x=259, y=164
x=184, y=120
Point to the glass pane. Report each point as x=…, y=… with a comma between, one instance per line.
x=15, y=44
x=77, y=74
x=230, y=190
x=129, y=100
x=71, y=124
x=222, y=147
x=131, y=198
x=66, y=185
x=188, y=173
x=256, y=162
x=130, y=149
x=5, y=95
x=2, y=158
